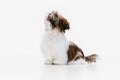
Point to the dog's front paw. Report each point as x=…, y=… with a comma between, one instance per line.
x=49, y=61
x=59, y=62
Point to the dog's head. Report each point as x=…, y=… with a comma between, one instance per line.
x=57, y=22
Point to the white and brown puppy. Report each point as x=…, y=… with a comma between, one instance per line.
x=55, y=46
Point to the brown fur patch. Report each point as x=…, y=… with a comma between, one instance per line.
x=74, y=52
x=91, y=58
x=64, y=23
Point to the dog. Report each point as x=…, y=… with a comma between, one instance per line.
x=57, y=49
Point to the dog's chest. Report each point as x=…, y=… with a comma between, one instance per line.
x=55, y=41
x=55, y=38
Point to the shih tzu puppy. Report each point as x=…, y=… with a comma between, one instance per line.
x=55, y=46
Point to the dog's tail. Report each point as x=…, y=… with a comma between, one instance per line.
x=91, y=58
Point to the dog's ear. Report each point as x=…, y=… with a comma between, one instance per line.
x=64, y=25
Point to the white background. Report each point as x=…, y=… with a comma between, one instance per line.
x=95, y=27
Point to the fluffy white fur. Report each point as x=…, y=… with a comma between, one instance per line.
x=54, y=45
